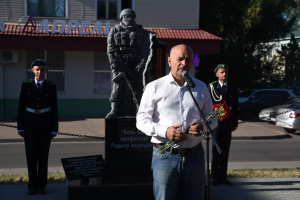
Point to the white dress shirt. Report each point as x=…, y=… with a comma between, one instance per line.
x=221, y=84
x=165, y=103
x=36, y=84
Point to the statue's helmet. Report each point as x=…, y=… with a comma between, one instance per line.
x=127, y=11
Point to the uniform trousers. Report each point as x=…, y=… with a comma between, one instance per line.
x=37, y=145
x=173, y=173
x=220, y=162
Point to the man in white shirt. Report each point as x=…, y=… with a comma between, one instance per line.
x=165, y=112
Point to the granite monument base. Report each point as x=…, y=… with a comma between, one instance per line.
x=128, y=151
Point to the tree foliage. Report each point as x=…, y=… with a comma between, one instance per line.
x=244, y=25
x=290, y=59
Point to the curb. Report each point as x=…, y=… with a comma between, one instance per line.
x=55, y=140
x=96, y=140
x=262, y=137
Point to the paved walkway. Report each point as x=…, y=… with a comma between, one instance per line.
x=96, y=127
x=258, y=189
x=243, y=189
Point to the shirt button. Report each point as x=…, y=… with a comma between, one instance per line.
x=37, y=106
x=38, y=98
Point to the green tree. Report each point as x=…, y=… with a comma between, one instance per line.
x=290, y=61
x=244, y=25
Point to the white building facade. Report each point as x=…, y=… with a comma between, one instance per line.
x=71, y=36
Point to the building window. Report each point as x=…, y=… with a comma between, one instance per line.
x=55, y=63
x=110, y=9
x=46, y=8
x=102, y=73
x=269, y=53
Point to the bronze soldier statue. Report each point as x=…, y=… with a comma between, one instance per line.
x=129, y=53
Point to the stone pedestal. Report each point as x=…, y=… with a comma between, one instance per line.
x=128, y=151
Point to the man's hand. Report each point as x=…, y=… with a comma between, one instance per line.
x=233, y=129
x=21, y=133
x=176, y=135
x=195, y=129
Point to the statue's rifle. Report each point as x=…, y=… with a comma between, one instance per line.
x=121, y=75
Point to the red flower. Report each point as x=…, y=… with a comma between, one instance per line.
x=226, y=110
x=216, y=106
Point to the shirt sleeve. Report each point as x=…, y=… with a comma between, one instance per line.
x=207, y=108
x=144, y=118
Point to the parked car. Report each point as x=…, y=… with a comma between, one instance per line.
x=265, y=114
x=270, y=114
x=250, y=109
x=288, y=118
x=267, y=92
x=273, y=114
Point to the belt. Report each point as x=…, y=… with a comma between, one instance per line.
x=37, y=111
x=183, y=151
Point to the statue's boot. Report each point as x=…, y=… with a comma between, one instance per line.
x=114, y=110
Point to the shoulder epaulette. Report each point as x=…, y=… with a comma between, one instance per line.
x=212, y=82
x=50, y=82
x=28, y=81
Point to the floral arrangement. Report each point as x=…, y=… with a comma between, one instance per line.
x=222, y=111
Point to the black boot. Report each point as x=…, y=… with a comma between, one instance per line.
x=114, y=110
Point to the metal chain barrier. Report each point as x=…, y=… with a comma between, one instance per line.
x=8, y=125
x=103, y=138
x=256, y=119
x=60, y=133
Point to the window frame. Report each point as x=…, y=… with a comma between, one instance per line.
x=270, y=53
x=119, y=9
x=64, y=17
x=111, y=82
x=55, y=70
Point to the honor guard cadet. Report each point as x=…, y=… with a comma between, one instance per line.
x=221, y=91
x=38, y=124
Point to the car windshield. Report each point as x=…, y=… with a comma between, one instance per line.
x=254, y=100
x=245, y=94
x=294, y=105
x=292, y=101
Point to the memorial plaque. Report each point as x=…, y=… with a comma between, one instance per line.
x=128, y=151
x=83, y=167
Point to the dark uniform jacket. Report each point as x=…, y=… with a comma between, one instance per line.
x=231, y=99
x=34, y=98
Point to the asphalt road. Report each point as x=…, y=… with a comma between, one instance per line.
x=273, y=150
x=13, y=154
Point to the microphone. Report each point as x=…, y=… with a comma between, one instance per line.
x=188, y=79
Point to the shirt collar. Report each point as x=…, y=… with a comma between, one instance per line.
x=221, y=84
x=39, y=82
x=172, y=80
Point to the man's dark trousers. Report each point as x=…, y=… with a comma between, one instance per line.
x=220, y=162
x=37, y=145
